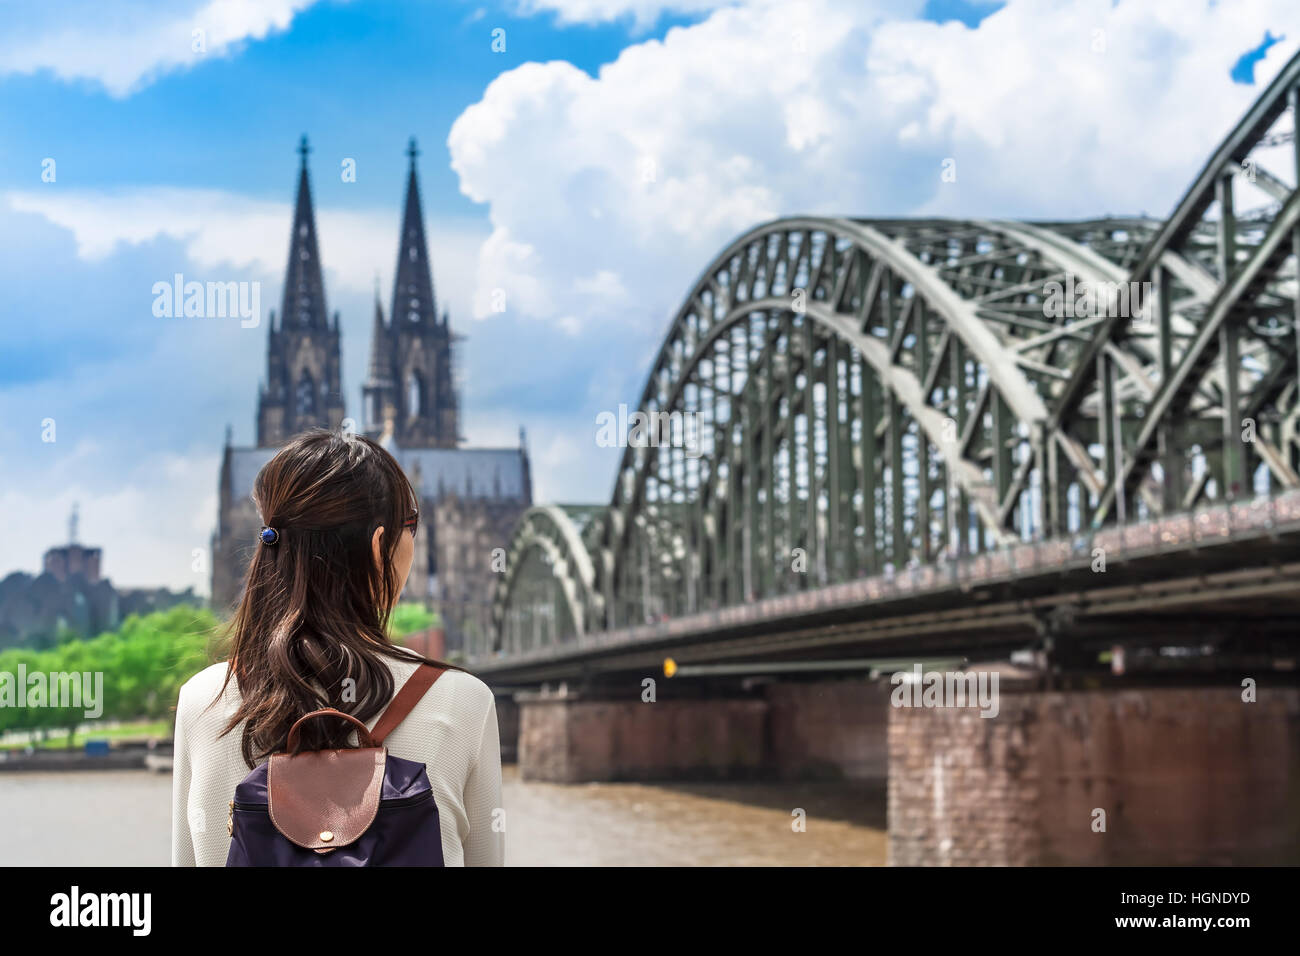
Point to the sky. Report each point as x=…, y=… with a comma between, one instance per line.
x=583, y=159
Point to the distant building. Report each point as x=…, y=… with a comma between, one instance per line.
x=470, y=498
x=70, y=596
x=71, y=559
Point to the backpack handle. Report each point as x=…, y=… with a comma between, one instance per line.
x=406, y=698
x=363, y=733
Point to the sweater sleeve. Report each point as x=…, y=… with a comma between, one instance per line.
x=182, y=843
x=487, y=822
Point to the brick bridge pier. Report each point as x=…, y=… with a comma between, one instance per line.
x=1175, y=775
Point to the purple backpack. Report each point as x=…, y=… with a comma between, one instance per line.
x=357, y=806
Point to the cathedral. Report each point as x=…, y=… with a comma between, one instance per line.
x=470, y=498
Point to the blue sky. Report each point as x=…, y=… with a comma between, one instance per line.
x=169, y=160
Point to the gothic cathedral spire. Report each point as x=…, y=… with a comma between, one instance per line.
x=304, y=287
x=303, y=387
x=411, y=356
x=413, y=299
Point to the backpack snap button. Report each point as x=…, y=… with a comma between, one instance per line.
x=326, y=836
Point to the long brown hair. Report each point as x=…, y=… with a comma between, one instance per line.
x=312, y=626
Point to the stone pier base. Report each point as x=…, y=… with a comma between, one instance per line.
x=829, y=729
x=567, y=739
x=810, y=730
x=1182, y=776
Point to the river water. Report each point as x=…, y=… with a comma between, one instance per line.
x=123, y=818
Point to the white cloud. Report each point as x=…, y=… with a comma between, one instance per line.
x=604, y=283
x=226, y=230
x=647, y=170
x=126, y=44
x=643, y=13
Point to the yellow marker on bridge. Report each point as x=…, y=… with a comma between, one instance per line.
x=670, y=667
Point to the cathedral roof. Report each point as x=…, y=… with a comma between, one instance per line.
x=467, y=472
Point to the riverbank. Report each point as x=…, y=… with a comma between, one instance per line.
x=120, y=755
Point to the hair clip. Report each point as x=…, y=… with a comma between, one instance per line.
x=269, y=536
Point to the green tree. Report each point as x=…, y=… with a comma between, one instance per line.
x=408, y=618
x=143, y=665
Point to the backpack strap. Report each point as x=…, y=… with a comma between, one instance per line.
x=405, y=700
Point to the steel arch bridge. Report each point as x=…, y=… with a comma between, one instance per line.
x=841, y=397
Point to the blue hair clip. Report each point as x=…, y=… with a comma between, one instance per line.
x=269, y=536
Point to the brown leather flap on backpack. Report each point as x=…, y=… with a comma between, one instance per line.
x=324, y=799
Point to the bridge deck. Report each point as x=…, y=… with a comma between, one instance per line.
x=1211, y=565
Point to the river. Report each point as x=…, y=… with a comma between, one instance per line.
x=123, y=818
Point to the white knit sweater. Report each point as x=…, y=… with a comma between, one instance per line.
x=452, y=731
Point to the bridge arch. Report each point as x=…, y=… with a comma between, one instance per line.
x=548, y=563
x=867, y=394
x=1230, y=357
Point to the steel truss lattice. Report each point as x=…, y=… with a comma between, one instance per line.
x=872, y=394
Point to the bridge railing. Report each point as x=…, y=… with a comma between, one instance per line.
x=1216, y=524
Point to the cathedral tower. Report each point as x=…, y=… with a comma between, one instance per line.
x=411, y=358
x=303, y=388
x=469, y=498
